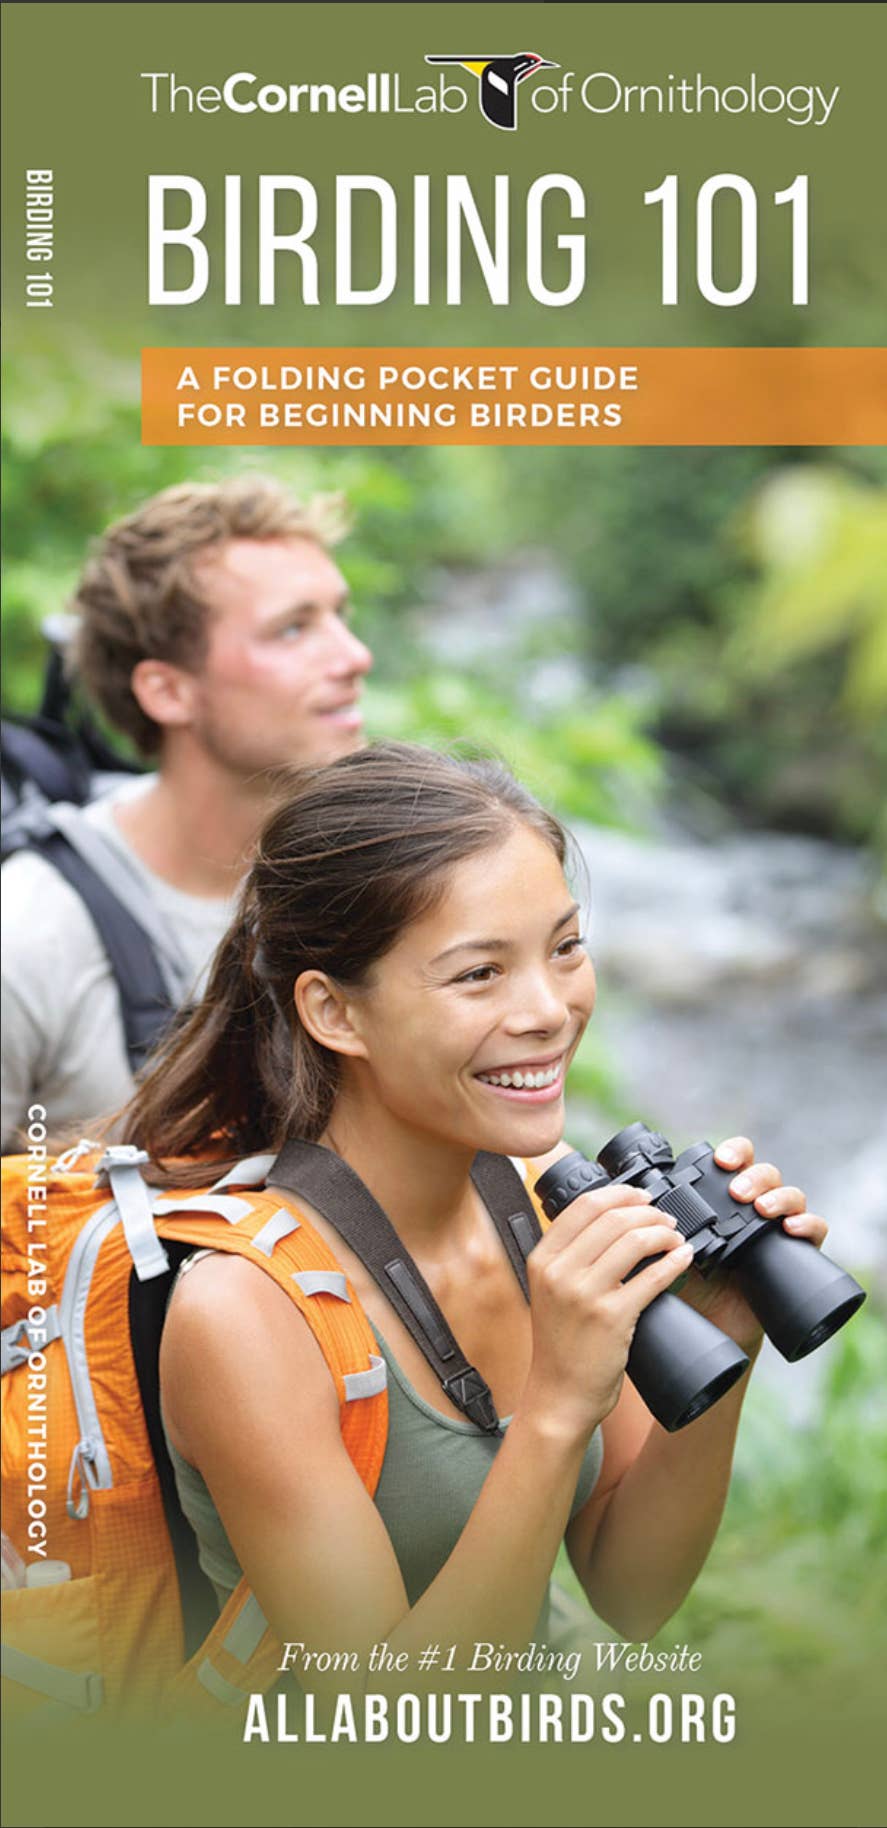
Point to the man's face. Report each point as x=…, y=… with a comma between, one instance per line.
x=282, y=677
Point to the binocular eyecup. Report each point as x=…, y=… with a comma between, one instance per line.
x=679, y=1362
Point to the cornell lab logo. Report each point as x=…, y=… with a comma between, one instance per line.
x=499, y=78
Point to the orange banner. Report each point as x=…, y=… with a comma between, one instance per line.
x=258, y=396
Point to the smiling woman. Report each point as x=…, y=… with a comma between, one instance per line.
x=405, y=986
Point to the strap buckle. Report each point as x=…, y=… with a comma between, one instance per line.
x=25, y=1337
x=121, y=1165
x=121, y=1155
x=14, y=1352
x=468, y=1390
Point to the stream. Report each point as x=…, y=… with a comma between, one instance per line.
x=742, y=989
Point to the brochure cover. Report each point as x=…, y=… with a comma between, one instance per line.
x=581, y=310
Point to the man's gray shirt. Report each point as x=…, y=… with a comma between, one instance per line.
x=62, y=1043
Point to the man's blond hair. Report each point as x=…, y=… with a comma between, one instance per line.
x=138, y=597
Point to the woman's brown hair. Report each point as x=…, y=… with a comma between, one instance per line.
x=357, y=851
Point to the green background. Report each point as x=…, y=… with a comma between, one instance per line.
x=814, y=1762
x=77, y=105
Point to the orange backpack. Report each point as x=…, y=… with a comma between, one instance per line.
x=87, y=1278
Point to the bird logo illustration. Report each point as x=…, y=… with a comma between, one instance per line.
x=499, y=78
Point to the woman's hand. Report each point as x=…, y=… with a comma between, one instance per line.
x=583, y=1311
x=759, y=1183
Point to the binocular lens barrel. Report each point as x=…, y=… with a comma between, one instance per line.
x=799, y=1295
x=679, y=1363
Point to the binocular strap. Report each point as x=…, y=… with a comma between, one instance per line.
x=327, y=1182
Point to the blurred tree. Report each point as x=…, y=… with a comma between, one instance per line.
x=819, y=539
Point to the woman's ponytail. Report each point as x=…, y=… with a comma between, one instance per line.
x=218, y=1087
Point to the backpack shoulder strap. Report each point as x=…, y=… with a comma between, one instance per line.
x=145, y=1005
x=41, y=762
x=120, y=871
x=282, y=1242
x=241, y=1654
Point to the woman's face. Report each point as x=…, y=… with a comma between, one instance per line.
x=469, y=1022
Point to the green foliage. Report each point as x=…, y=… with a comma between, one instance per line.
x=797, y=1579
x=809, y=641
x=734, y=652
x=800, y=1564
x=577, y=764
x=702, y=628
x=820, y=540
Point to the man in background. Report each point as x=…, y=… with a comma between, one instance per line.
x=212, y=631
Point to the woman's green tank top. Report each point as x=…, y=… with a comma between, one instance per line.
x=431, y=1477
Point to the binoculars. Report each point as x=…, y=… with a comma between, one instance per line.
x=679, y=1362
